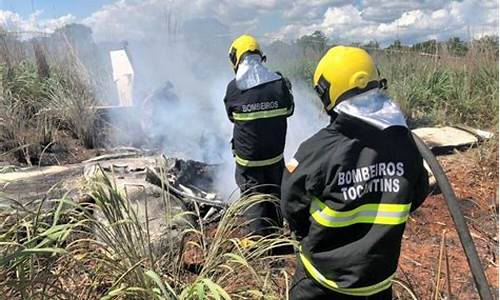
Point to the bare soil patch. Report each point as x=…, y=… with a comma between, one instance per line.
x=475, y=185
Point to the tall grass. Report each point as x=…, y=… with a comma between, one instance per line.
x=32, y=241
x=71, y=104
x=445, y=90
x=103, y=249
x=45, y=90
x=442, y=90
x=33, y=109
x=21, y=94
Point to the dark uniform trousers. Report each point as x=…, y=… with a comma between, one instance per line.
x=305, y=288
x=265, y=180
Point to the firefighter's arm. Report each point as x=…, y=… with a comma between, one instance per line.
x=289, y=95
x=421, y=187
x=229, y=110
x=291, y=104
x=295, y=202
x=299, y=183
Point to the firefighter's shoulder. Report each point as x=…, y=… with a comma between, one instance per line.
x=231, y=86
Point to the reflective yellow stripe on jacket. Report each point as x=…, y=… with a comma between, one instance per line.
x=250, y=116
x=332, y=285
x=375, y=213
x=257, y=163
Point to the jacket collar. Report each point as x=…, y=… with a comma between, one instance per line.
x=373, y=107
x=251, y=73
x=366, y=115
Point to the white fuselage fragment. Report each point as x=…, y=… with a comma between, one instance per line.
x=123, y=76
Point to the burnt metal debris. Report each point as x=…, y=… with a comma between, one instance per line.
x=189, y=183
x=192, y=182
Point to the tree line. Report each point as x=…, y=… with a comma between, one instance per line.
x=317, y=43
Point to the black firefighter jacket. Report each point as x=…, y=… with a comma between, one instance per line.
x=349, y=198
x=259, y=116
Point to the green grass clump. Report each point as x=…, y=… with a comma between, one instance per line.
x=445, y=91
x=103, y=249
x=442, y=90
x=34, y=108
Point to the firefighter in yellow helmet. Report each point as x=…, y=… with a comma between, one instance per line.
x=258, y=103
x=350, y=188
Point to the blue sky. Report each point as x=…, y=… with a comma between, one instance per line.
x=54, y=8
x=57, y=8
x=341, y=20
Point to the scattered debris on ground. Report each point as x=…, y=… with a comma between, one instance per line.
x=441, y=139
x=430, y=244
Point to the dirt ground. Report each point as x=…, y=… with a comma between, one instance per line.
x=64, y=150
x=476, y=187
x=475, y=184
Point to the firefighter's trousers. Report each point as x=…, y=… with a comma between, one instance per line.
x=265, y=214
x=304, y=287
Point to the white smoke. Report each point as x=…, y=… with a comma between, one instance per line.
x=195, y=126
x=307, y=119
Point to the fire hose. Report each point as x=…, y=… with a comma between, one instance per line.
x=458, y=219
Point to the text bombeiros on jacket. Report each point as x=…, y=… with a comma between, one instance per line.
x=259, y=106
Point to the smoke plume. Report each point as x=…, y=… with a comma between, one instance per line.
x=186, y=79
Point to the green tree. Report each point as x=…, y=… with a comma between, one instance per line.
x=315, y=43
x=371, y=45
x=456, y=47
x=396, y=45
x=429, y=46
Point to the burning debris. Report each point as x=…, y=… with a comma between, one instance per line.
x=157, y=190
x=193, y=183
x=188, y=184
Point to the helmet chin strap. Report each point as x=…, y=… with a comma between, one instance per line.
x=383, y=84
x=323, y=91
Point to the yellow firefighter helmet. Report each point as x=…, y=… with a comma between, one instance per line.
x=344, y=72
x=243, y=44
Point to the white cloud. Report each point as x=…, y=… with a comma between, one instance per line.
x=381, y=20
x=13, y=22
x=310, y=10
x=349, y=23
x=384, y=11
x=141, y=19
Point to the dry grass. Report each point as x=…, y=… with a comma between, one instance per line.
x=444, y=90
x=68, y=252
x=38, y=100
